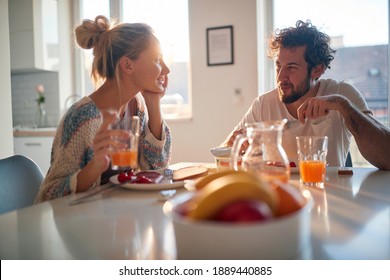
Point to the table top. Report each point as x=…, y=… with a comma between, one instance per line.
x=350, y=219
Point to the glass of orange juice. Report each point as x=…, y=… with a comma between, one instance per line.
x=125, y=155
x=312, y=151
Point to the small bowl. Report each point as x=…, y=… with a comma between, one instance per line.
x=223, y=163
x=222, y=156
x=280, y=238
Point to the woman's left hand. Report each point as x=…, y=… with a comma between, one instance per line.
x=152, y=100
x=152, y=96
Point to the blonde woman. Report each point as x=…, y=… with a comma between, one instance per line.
x=131, y=75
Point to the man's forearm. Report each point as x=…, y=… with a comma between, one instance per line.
x=372, y=137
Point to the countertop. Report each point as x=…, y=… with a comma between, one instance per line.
x=35, y=132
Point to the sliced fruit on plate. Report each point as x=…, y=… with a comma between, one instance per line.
x=143, y=177
x=154, y=177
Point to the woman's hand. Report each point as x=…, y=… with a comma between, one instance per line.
x=103, y=145
x=154, y=96
x=152, y=100
x=107, y=140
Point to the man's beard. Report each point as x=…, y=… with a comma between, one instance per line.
x=301, y=90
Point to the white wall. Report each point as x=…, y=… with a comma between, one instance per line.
x=215, y=110
x=7, y=146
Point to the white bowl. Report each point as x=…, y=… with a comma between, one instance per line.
x=222, y=156
x=280, y=238
x=222, y=163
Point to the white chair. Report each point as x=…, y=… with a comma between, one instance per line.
x=20, y=179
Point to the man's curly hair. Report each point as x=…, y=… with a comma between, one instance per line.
x=318, y=49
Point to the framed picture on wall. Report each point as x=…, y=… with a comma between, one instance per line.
x=220, y=45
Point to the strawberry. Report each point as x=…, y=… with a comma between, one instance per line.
x=127, y=177
x=293, y=164
x=123, y=177
x=144, y=177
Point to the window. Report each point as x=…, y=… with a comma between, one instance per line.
x=169, y=19
x=359, y=32
x=89, y=10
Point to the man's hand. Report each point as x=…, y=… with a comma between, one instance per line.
x=233, y=137
x=316, y=107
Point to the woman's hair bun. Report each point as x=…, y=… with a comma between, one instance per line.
x=88, y=33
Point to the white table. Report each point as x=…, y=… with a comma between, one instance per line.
x=350, y=220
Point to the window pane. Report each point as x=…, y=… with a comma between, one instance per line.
x=90, y=9
x=169, y=19
x=359, y=31
x=359, y=34
x=358, y=23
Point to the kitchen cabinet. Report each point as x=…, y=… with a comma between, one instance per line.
x=36, y=148
x=33, y=26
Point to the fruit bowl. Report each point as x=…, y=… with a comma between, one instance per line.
x=282, y=237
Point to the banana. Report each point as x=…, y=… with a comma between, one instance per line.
x=202, y=182
x=226, y=189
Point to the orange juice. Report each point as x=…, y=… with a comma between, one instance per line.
x=124, y=159
x=312, y=171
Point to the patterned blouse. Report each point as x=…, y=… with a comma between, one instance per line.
x=72, y=147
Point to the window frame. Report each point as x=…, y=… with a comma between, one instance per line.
x=266, y=67
x=265, y=12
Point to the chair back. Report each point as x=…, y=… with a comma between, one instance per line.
x=20, y=179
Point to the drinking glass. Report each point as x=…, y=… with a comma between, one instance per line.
x=126, y=157
x=312, y=151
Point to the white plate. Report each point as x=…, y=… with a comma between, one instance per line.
x=163, y=185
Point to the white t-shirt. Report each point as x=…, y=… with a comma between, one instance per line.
x=268, y=107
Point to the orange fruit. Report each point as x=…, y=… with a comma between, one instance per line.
x=290, y=199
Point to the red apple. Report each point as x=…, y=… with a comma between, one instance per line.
x=244, y=211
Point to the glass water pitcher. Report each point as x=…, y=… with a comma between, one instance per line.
x=265, y=156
